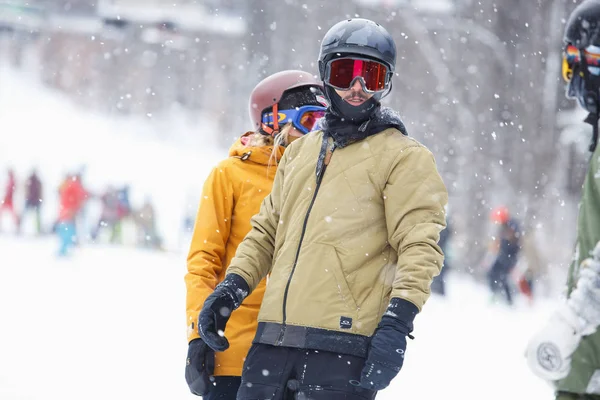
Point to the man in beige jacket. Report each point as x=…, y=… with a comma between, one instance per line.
x=348, y=237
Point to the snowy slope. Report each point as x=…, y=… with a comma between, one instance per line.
x=110, y=324
x=40, y=128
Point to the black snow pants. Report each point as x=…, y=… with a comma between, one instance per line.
x=223, y=388
x=285, y=373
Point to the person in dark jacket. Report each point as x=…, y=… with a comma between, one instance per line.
x=33, y=199
x=507, y=256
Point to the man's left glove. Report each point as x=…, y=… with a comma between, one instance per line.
x=199, y=367
x=227, y=296
x=388, y=344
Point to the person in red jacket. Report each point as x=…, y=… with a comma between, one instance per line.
x=72, y=196
x=8, y=204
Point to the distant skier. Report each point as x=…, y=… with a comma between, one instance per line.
x=145, y=222
x=8, y=202
x=33, y=200
x=509, y=246
x=72, y=198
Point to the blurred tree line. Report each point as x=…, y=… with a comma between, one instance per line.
x=478, y=82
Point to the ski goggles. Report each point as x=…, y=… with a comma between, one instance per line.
x=342, y=72
x=572, y=57
x=303, y=118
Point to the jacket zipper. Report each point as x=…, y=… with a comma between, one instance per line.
x=287, y=286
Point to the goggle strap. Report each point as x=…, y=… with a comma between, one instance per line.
x=275, y=129
x=267, y=129
x=276, y=117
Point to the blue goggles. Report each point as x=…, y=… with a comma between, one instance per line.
x=303, y=118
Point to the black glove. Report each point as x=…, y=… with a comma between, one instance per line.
x=388, y=344
x=227, y=296
x=199, y=367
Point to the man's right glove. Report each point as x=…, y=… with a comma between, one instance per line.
x=227, y=296
x=199, y=367
x=388, y=344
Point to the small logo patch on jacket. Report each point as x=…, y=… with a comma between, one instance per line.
x=345, y=323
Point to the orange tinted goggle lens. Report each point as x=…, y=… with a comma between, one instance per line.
x=570, y=58
x=344, y=70
x=309, y=118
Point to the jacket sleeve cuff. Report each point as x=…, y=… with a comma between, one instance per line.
x=402, y=310
x=237, y=288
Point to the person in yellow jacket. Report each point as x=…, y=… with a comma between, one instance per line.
x=232, y=194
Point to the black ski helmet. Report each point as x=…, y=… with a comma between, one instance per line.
x=583, y=26
x=356, y=37
x=583, y=30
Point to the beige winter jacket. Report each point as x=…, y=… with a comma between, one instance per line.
x=338, y=250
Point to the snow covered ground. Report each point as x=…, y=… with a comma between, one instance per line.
x=109, y=323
